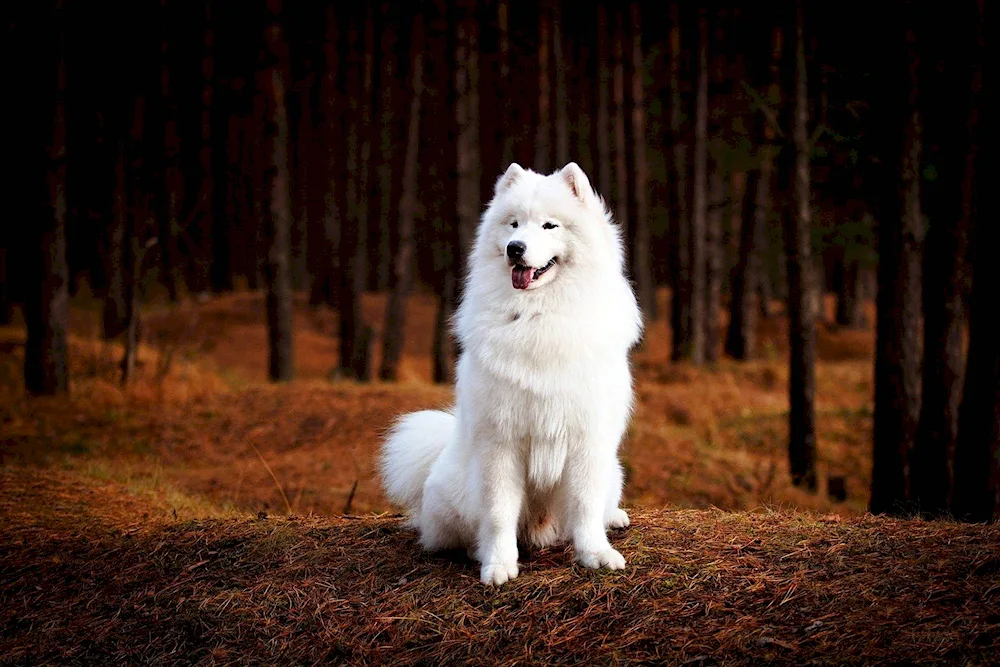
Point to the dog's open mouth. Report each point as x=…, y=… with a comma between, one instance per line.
x=521, y=276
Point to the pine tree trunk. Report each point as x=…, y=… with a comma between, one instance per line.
x=741, y=339
x=801, y=287
x=325, y=285
x=6, y=312
x=300, y=184
x=765, y=198
x=444, y=350
x=699, y=297
x=897, y=351
x=114, y=315
x=46, y=304
x=948, y=200
x=713, y=263
x=173, y=181
x=135, y=224
x=354, y=334
x=680, y=219
x=388, y=149
x=467, y=118
x=977, y=450
x=621, y=145
x=642, y=267
x=395, y=318
x=543, y=133
x=506, y=134
x=202, y=265
x=278, y=216
x=850, y=302
x=562, y=103
x=603, y=105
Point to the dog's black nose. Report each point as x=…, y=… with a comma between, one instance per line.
x=515, y=250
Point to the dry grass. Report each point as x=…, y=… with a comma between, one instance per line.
x=91, y=574
x=701, y=437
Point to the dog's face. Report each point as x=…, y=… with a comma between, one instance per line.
x=533, y=223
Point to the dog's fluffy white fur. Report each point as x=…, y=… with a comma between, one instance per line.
x=543, y=386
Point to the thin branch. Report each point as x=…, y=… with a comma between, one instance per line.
x=768, y=112
x=288, y=506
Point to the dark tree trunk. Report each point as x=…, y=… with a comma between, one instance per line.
x=444, y=346
x=6, y=312
x=204, y=214
x=977, y=451
x=467, y=118
x=355, y=335
x=642, y=268
x=713, y=263
x=621, y=146
x=850, y=298
x=765, y=197
x=300, y=187
x=741, y=339
x=173, y=180
x=543, y=133
x=562, y=104
x=135, y=229
x=582, y=89
x=117, y=266
x=699, y=222
x=897, y=351
x=680, y=219
x=325, y=283
x=603, y=105
x=395, y=318
x=388, y=149
x=801, y=287
x=950, y=131
x=278, y=216
x=46, y=304
x=503, y=38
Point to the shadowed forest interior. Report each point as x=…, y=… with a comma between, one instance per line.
x=217, y=194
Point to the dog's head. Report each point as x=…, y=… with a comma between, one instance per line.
x=542, y=225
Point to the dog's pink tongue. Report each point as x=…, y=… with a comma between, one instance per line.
x=520, y=276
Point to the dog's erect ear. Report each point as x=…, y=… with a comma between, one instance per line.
x=509, y=177
x=577, y=181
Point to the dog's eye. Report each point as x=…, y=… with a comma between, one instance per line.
x=549, y=225
x=514, y=224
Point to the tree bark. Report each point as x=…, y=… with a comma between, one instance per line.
x=713, y=263
x=278, y=216
x=388, y=149
x=506, y=135
x=699, y=222
x=603, y=105
x=621, y=146
x=6, y=312
x=173, y=180
x=950, y=130
x=543, y=132
x=897, y=350
x=850, y=299
x=680, y=301
x=355, y=335
x=977, y=450
x=741, y=339
x=325, y=282
x=395, y=327
x=562, y=103
x=801, y=287
x=46, y=305
x=467, y=118
x=117, y=267
x=642, y=267
x=202, y=265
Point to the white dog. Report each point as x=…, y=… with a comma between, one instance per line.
x=544, y=389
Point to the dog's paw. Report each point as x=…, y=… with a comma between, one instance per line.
x=608, y=558
x=497, y=574
x=618, y=518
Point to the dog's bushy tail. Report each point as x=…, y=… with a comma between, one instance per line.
x=410, y=450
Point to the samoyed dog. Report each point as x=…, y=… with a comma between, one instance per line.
x=543, y=386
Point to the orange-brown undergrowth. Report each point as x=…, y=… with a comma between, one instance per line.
x=201, y=417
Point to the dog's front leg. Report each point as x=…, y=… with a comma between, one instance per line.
x=503, y=495
x=585, y=498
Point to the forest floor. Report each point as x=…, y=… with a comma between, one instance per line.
x=197, y=515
